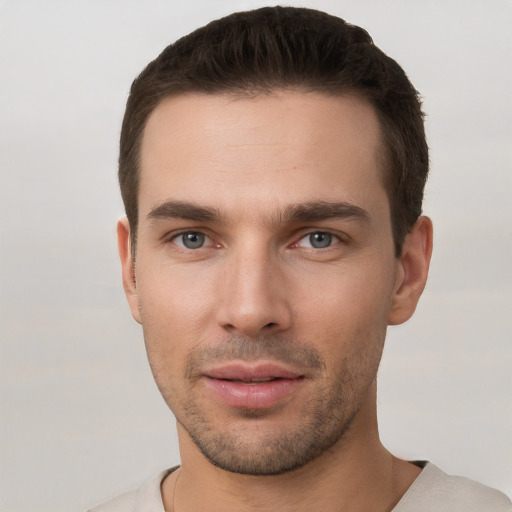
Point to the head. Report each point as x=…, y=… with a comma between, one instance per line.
x=272, y=177
x=256, y=52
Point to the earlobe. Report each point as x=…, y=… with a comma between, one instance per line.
x=413, y=271
x=128, y=266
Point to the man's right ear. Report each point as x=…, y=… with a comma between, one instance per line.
x=128, y=267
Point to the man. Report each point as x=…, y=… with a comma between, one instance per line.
x=272, y=166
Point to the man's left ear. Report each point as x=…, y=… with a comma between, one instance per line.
x=413, y=271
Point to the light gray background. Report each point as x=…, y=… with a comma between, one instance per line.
x=80, y=417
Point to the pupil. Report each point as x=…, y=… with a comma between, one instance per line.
x=320, y=240
x=193, y=240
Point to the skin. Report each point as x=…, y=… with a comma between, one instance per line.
x=258, y=289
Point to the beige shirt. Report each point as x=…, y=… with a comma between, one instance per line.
x=432, y=491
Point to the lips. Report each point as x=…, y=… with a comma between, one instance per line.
x=253, y=387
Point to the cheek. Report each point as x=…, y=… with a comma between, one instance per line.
x=174, y=297
x=346, y=294
x=347, y=311
x=175, y=313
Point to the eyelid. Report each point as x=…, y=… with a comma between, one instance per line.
x=337, y=238
x=171, y=238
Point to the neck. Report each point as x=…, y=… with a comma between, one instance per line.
x=356, y=474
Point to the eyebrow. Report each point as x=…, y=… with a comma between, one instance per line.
x=315, y=211
x=312, y=211
x=184, y=210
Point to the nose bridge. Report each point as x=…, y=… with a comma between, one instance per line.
x=253, y=298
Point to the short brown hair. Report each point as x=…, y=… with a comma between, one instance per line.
x=285, y=47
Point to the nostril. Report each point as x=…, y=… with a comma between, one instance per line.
x=270, y=325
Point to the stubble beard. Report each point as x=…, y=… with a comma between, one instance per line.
x=325, y=421
x=271, y=453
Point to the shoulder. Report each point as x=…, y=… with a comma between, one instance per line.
x=122, y=503
x=146, y=498
x=434, y=490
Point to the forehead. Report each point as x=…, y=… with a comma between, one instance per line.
x=283, y=147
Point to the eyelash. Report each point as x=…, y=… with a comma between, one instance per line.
x=333, y=240
x=176, y=236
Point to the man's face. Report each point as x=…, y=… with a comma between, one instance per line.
x=265, y=272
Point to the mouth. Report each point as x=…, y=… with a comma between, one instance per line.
x=257, y=386
x=255, y=380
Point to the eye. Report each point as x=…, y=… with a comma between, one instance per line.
x=318, y=240
x=191, y=240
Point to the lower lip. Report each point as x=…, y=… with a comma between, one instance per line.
x=258, y=395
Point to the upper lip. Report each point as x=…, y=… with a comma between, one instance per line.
x=248, y=372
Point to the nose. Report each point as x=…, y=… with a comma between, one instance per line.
x=253, y=294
